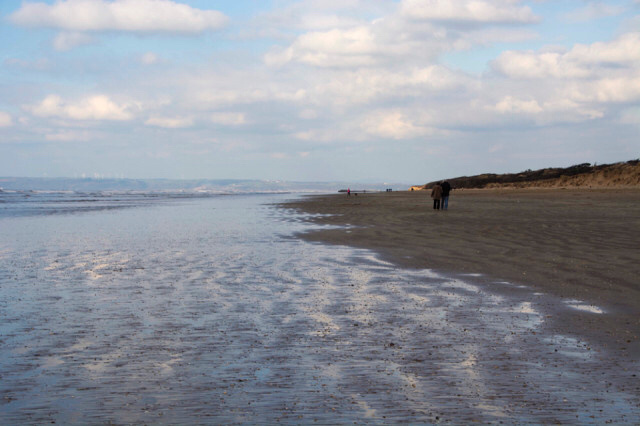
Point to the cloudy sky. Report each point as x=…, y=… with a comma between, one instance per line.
x=357, y=90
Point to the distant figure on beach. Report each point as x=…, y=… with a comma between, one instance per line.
x=446, y=189
x=348, y=192
x=436, y=194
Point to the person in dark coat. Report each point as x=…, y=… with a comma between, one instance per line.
x=446, y=189
x=436, y=194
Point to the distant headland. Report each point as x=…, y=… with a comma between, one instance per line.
x=586, y=175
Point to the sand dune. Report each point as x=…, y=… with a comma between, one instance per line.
x=617, y=175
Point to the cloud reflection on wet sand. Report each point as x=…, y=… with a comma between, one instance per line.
x=191, y=321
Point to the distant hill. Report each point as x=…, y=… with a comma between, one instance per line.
x=624, y=174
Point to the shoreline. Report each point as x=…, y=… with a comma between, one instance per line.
x=575, y=244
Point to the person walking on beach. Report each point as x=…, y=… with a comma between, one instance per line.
x=348, y=192
x=436, y=194
x=446, y=189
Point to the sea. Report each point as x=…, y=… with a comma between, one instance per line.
x=199, y=308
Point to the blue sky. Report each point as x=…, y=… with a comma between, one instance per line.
x=408, y=90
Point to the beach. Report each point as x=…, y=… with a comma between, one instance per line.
x=149, y=308
x=580, y=244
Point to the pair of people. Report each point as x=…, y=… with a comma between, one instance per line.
x=440, y=194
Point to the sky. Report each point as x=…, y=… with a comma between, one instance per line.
x=333, y=90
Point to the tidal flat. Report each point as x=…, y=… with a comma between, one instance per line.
x=213, y=310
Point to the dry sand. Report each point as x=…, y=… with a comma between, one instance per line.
x=579, y=244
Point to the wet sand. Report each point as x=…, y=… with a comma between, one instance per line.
x=212, y=311
x=571, y=243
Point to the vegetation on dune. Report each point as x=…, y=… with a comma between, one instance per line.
x=623, y=174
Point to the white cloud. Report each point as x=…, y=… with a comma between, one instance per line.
x=313, y=15
x=308, y=114
x=5, y=119
x=170, y=122
x=97, y=107
x=558, y=109
x=278, y=56
x=334, y=48
x=470, y=11
x=595, y=10
x=119, y=15
x=416, y=32
x=208, y=92
x=581, y=61
x=623, y=51
x=335, y=132
x=605, y=90
x=537, y=65
x=228, y=118
x=564, y=109
x=631, y=116
x=348, y=81
x=509, y=104
x=149, y=58
x=68, y=40
x=571, y=86
x=69, y=136
x=392, y=125
x=309, y=135
x=326, y=21
x=373, y=84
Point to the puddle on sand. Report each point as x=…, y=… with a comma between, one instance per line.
x=510, y=284
x=581, y=306
x=526, y=308
x=186, y=322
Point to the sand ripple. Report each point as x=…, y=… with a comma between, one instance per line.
x=192, y=322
